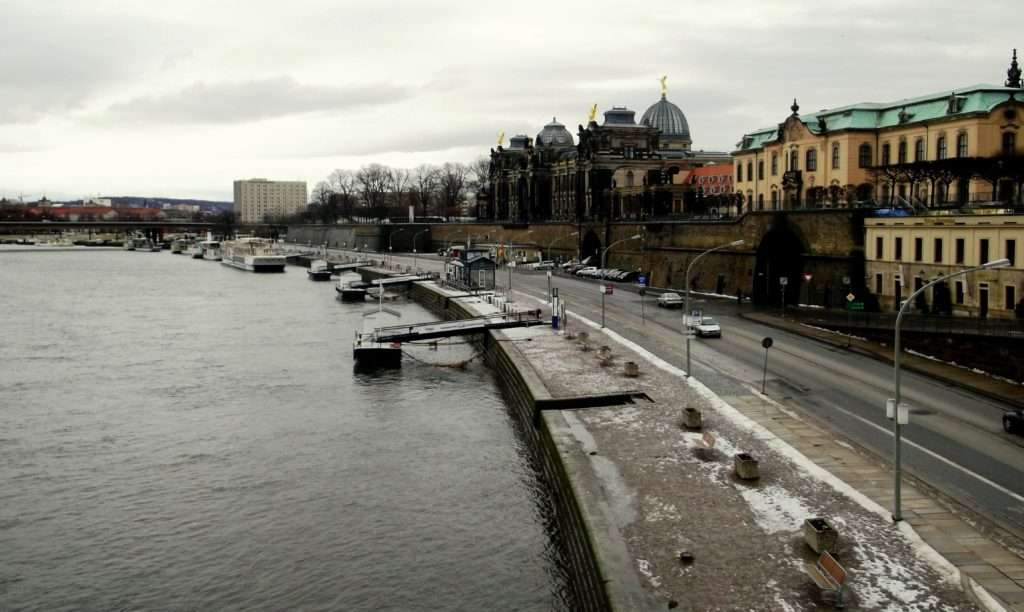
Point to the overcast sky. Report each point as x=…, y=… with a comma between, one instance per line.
x=180, y=98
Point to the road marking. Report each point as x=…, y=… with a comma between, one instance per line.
x=906, y=440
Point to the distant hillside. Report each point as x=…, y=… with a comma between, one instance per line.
x=143, y=202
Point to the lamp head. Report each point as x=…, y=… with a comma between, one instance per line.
x=636, y=237
x=999, y=263
x=736, y=243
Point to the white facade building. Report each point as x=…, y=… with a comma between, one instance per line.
x=258, y=198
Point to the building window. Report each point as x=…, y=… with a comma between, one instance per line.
x=775, y=200
x=775, y=164
x=938, y=250
x=1011, y=298
x=750, y=171
x=898, y=255
x=959, y=285
x=864, y=156
x=760, y=169
x=794, y=160
x=1009, y=143
x=879, y=286
x=919, y=150
x=959, y=251
x=983, y=251
x=940, y=148
x=739, y=173
x=901, y=152
x=629, y=179
x=1011, y=251
x=879, y=250
x=918, y=249
x=835, y=156
x=961, y=145
x=760, y=201
x=886, y=150
x=812, y=160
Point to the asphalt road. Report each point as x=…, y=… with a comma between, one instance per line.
x=954, y=441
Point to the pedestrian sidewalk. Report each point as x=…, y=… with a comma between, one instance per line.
x=995, y=388
x=651, y=492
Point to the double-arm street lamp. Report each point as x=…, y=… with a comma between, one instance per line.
x=893, y=409
x=390, y=236
x=686, y=302
x=414, y=236
x=604, y=252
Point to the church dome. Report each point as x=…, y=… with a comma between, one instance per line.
x=668, y=118
x=554, y=135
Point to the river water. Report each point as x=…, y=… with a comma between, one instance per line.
x=176, y=434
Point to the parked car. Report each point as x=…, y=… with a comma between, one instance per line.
x=1013, y=421
x=585, y=272
x=543, y=265
x=708, y=328
x=670, y=300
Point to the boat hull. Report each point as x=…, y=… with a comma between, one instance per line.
x=377, y=356
x=256, y=263
x=319, y=275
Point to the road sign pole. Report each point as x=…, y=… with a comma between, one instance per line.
x=767, y=344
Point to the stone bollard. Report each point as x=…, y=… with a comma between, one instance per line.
x=632, y=370
x=692, y=418
x=604, y=353
x=820, y=536
x=746, y=467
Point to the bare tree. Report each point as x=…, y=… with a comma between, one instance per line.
x=424, y=187
x=373, y=182
x=452, y=188
x=479, y=172
x=343, y=183
x=401, y=180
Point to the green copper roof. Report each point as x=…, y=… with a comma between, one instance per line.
x=874, y=115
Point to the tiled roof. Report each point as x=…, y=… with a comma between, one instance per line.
x=875, y=115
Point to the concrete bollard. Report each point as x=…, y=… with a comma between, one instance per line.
x=746, y=467
x=820, y=535
x=631, y=369
x=692, y=418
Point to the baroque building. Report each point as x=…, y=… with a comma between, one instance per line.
x=617, y=170
x=946, y=149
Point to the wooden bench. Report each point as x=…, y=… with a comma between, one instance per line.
x=829, y=576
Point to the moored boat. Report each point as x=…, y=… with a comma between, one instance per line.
x=348, y=293
x=211, y=249
x=319, y=270
x=253, y=254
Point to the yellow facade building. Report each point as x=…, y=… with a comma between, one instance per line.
x=932, y=151
x=904, y=253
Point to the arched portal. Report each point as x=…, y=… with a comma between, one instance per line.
x=780, y=255
x=591, y=247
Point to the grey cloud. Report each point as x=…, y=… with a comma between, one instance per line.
x=240, y=102
x=419, y=142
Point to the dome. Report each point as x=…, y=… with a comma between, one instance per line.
x=555, y=135
x=668, y=118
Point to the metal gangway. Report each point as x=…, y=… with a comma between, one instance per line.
x=456, y=327
x=341, y=267
x=389, y=281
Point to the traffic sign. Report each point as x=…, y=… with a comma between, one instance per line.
x=554, y=292
x=783, y=281
x=807, y=276
x=850, y=297
x=856, y=306
x=767, y=342
x=641, y=280
x=610, y=289
x=846, y=280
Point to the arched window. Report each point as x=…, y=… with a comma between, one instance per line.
x=794, y=160
x=812, y=160
x=961, y=145
x=775, y=199
x=940, y=148
x=760, y=169
x=886, y=154
x=750, y=171
x=629, y=179
x=835, y=155
x=919, y=150
x=775, y=164
x=864, y=156
x=1009, y=143
x=901, y=152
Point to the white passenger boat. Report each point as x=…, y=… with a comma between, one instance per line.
x=253, y=254
x=195, y=250
x=319, y=270
x=211, y=249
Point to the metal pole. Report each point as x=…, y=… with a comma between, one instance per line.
x=897, y=514
x=686, y=301
x=603, y=253
x=764, y=375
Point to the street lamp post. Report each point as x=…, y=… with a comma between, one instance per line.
x=894, y=412
x=390, y=236
x=604, y=252
x=686, y=302
x=414, y=236
x=509, y=260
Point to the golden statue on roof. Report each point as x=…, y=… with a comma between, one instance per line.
x=501, y=137
x=664, y=87
x=592, y=115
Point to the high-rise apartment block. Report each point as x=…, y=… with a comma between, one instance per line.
x=259, y=199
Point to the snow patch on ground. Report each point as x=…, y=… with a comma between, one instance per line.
x=832, y=331
x=955, y=364
x=645, y=568
x=775, y=510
